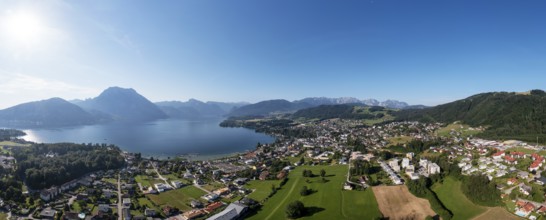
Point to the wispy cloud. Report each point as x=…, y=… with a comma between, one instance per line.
x=16, y=83
x=120, y=37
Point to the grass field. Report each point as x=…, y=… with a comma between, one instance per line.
x=400, y=140
x=465, y=130
x=147, y=181
x=449, y=192
x=328, y=200
x=261, y=188
x=3, y=215
x=496, y=213
x=13, y=144
x=179, y=198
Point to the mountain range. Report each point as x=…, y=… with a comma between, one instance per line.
x=127, y=105
x=283, y=106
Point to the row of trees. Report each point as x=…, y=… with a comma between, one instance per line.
x=421, y=188
x=480, y=190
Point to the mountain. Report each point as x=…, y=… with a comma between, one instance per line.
x=344, y=111
x=282, y=106
x=55, y=112
x=123, y=104
x=196, y=109
x=316, y=101
x=507, y=115
x=269, y=107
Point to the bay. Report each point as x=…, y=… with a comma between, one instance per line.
x=202, y=139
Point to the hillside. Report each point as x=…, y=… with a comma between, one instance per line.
x=268, y=107
x=123, y=104
x=55, y=112
x=506, y=115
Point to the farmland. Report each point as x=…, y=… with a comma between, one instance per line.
x=396, y=202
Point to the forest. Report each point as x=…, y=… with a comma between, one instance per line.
x=45, y=165
x=506, y=115
x=8, y=134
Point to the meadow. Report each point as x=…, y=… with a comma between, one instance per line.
x=327, y=201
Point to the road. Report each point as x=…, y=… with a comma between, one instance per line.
x=161, y=177
x=120, y=213
x=201, y=188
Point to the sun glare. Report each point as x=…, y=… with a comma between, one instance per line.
x=23, y=27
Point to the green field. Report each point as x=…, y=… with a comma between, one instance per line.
x=465, y=130
x=3, y=215
x=449, y=192
x=261, y=188
x=328, y=201
x=147, y=181
x=179, y=198
x=12, y=144
x=400, y=140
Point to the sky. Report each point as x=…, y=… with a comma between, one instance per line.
x=420, y=52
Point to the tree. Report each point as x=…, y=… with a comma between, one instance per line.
x=307, y=173
x=322, y=173
x=302, y=161
x=304, y=191
x=295, y=209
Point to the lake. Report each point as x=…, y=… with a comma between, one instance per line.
x=161, y=138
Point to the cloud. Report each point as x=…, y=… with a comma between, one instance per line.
x=118, y=36
x=16, y=83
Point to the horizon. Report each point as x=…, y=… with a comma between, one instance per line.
x=418, y=52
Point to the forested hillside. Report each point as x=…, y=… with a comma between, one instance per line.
x=505, y=115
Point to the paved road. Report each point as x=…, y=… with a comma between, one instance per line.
x=120, y=213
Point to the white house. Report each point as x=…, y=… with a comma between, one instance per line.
x=433, y=168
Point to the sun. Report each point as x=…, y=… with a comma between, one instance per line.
x=23, y=28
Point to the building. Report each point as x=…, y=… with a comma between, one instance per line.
x=48, y=213
x=405, y=162
x=433, y=168
x=232, y=211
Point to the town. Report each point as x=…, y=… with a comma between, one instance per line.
x=356, y=157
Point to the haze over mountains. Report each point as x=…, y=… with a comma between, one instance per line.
x=126, y=105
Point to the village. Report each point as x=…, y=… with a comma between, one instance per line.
x=230, y=188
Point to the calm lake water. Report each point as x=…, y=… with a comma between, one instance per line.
x=162, y=138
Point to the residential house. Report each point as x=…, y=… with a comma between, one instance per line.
x=433, y=168
x=48, y=213
x=213, y=206
x=498, y=155
x=48, y=194
x=177, y=184
x=405, y=162
x=526, y=190
x=193, y=214
x=510, y=160
x=264, y=175
x=282, y=174
x=150, y=212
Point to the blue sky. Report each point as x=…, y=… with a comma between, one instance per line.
x=421, y=52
